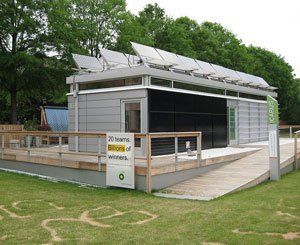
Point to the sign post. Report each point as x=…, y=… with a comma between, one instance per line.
x=120, y=160
x=274, y=149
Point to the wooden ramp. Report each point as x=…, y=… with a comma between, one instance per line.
x=240, y=174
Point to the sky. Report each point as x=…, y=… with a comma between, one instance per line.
x=270, y=24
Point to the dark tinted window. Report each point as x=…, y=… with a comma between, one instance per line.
x=170, y=111
x=111, y=84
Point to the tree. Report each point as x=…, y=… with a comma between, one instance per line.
x=84, y=26
x=143, y=28
x=278, y=73
x=25, y=68
x=22, y=31
x=295, y=110
x=178, y=36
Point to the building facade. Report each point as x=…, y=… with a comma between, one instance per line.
x=145, y=93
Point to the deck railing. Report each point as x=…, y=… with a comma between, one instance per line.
x=296, y=135
x=287, y=130
x=59, y=148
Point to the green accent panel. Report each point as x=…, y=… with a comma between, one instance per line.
x=272, y=108
x=231, y=118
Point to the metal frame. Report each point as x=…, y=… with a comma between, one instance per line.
x=143, y=70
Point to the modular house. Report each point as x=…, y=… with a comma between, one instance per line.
x=159, y=91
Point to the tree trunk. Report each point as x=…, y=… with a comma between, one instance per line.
x=13, y=104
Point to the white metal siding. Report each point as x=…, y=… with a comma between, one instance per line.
x=102, y=112
x=251, y=121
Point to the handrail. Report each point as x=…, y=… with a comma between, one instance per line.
x=54, y=133
x=173, y=134
x=100, y=135
x=288, y=126
x=296, y=134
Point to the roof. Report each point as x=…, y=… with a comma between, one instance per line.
x=152, y=61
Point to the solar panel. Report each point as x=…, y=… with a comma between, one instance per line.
x=245, y=78
x=263, y=83
x=87, y=62
x=133, y=59
x=169, y=57
x=192, y=63
x=254, y=80
x=206, y=67
x=189, y=62
x=114, y=59
x=177, y=63
x=220, y=71
x=149, y=55
x=158, y=57
x=229, y=75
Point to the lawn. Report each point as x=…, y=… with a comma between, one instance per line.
x=37, y=211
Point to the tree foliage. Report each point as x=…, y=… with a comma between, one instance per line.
x=84, y=26
x=25, y=69
x=213, y=43
x=37, y=38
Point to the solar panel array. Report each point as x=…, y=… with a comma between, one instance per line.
x=87, y=62
x=162, y=59
x=195, y=67
x=114, y=59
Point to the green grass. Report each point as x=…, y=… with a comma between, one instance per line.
x=178, y=222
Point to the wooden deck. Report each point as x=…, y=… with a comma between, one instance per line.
x=240, y=174
x=89, y=161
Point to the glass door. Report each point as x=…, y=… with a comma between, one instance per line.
x=232, y=125
x=131, y=118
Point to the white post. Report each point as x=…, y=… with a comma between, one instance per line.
x=274, y=148
x=76, y=102
x=291, y=132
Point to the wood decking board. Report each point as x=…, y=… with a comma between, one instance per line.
x=160, y=165
x=238, y=175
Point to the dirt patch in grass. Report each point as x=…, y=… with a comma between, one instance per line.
x=85, y=218
x=286, y=236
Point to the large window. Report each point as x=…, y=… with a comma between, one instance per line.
x=232, y=93
x=161, y=82
x=111, y=84
x=198, y=88
x=252, y=96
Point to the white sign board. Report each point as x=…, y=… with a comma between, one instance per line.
x=120, y=160
x=273, y=143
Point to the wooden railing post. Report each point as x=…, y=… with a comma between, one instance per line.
x=99, y=154
x=176, y=152
x=199, y=151
x=2, y=145
x=148, y=152
x=28, y=146
x=291, y=132
x=296, y=152
x=60, y=151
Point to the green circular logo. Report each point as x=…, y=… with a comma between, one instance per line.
x=121, y=176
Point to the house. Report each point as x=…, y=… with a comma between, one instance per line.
x=159, y=91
